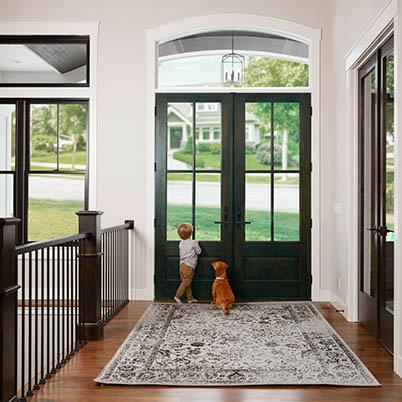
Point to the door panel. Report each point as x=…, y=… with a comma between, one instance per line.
x=272, y=197
x=248, y=161
x=386, y=279
x=376, y=195
x=193, y=185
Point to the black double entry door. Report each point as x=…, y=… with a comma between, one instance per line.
x=237, y=167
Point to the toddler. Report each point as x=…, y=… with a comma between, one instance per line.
x=189, y=251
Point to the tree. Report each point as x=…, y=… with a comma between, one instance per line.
x=265, y=72
x=73, y=126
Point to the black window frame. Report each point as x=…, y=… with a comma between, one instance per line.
x=51, y=39
x=22, y=157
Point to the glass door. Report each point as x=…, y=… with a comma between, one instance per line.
x=237, y=167
x=376, y=293
x=386, y=311
x=193, y=185
x=272, y=196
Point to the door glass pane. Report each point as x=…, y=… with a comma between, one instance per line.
x=54, y=199
x=286, y=207
x=258, y=207
x=369, y=273
x=180, y=136
x=389, y=194
x=208, y=122
x=286, y=136
x=6, y=195
x=258, y=135
x=73, y=119
x=207, y=206
x=179, y=202
x=43, y=132
x=7, y=137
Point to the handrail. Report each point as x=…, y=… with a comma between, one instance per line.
x=127, y=225
x=38, y=245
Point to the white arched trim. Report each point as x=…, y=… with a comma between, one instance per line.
x=255, y=23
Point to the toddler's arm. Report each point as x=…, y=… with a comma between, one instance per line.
x=197, y=247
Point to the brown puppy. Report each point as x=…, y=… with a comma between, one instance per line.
x=222, y=295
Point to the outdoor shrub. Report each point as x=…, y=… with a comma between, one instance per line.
x=188, y=149
x=250, y=149
x=263, y=154
x=215, y=148
x=204, y=147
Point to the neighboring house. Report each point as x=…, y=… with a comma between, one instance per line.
x=208, y=124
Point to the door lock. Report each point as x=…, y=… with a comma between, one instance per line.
x=225, y=218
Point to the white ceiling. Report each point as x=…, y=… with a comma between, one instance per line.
x=21, y=58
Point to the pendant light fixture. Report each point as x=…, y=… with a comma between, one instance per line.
x=233, y=68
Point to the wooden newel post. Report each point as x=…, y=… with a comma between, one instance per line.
x=90, y=275
x=8, y=310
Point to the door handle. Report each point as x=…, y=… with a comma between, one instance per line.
x=380, y=230
x=225, y=218
x=238, y=219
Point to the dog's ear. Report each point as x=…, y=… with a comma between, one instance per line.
x=226, y=266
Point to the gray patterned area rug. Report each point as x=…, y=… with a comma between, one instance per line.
x=286, y=343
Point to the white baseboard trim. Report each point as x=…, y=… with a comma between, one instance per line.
x=324, y=296
x=140, y=294
x=338, y=303
x=334, y=300
x=398, y=365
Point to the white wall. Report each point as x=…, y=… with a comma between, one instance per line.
x=122, y=85
x=121, y=180
x=350, y=20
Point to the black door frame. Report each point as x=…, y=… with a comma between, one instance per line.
x=230, y=232
x=372, y=312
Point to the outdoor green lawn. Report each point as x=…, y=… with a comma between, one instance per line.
x=65, y=158
x=49, y=219
x=286, y=224
x=213, y=161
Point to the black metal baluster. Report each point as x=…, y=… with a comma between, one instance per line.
x=29, y=391
x=72, y=299
x=75, y=301
x=36, y=386
x=42, y=321
x=114, y=273
x=128, y=238
x=48, y=369
x=23, y=284
x=63, y=309
x=102, y=281
x=107, y=269
x=54, y=310
x=109, y=263
x=119, y=266
x=58, y=310
x=77, y=284
x=67, y=304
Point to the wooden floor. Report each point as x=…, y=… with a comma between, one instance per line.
x=74, y=382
